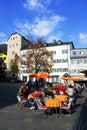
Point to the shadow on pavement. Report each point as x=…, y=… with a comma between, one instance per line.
x=82, y=120
x=8, y=92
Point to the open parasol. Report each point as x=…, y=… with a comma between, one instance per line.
x=40, y=75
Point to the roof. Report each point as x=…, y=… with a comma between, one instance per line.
x=83, y=71
x=18, y=34
x=79, y=49
x=51, y=44
x=59, y=43
x=25, y=47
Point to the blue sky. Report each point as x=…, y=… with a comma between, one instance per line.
x=64, y=20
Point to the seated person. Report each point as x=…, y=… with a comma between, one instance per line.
x=31, y=103
x=22, y=91
x=36, y=94
x=70, y=90
x=49, y=93
x=61, y=90
x=26, y=91
x=75, y=95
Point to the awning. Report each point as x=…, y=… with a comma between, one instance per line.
x=40, y=75
x=72, y=78
x=83, y=71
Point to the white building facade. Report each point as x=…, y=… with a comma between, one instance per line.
x=61, y=61
x=78, y=62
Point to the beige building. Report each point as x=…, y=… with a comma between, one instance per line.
x=14, y=43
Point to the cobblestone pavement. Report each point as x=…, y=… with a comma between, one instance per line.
x=12, y=118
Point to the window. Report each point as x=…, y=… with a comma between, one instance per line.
x=54, y=70
x=74, y=70
x=54, y=61
x=78, y=71
x=55, y=79
x=54, y=52
x=74, y=52
x=64, y=60
x=59, y=70
x=80, y=52
x=24, y=78
x=58, y=60
x=85, y=61
x=64, y=51
x=13, y=53
x=78, y=61
x=22, y=55
x=74, y=61
x=65, y=69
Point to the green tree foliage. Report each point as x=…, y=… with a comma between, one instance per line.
x=14, y=68
x=2, y=69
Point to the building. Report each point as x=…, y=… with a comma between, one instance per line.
x=61, y=60
x=66, y=59
x=14, y=43
x=78, y=62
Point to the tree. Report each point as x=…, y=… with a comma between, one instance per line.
x=38, y=58
x=2, y=69
x=14, y=65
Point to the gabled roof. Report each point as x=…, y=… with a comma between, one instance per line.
x=25, y=47
x=18, y=34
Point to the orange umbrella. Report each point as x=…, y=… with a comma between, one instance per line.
x=72, y=78
x=40, y=75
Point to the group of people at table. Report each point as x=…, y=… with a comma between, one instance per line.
x=49, y=96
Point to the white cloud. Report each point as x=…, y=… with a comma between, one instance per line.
x=83, y=38
x=22, y=28
x=2, y=35
x=46, y=25
x=34, y=5
x=41, y=27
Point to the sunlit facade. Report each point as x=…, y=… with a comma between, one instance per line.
x=14, y=43
x=66, y=59
x=78, y=62
x=61, y=61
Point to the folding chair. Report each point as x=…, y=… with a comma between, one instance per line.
x=66, y=106
x=40, y=106
x=21, y=101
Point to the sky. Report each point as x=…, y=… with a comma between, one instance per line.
x=64, y=20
